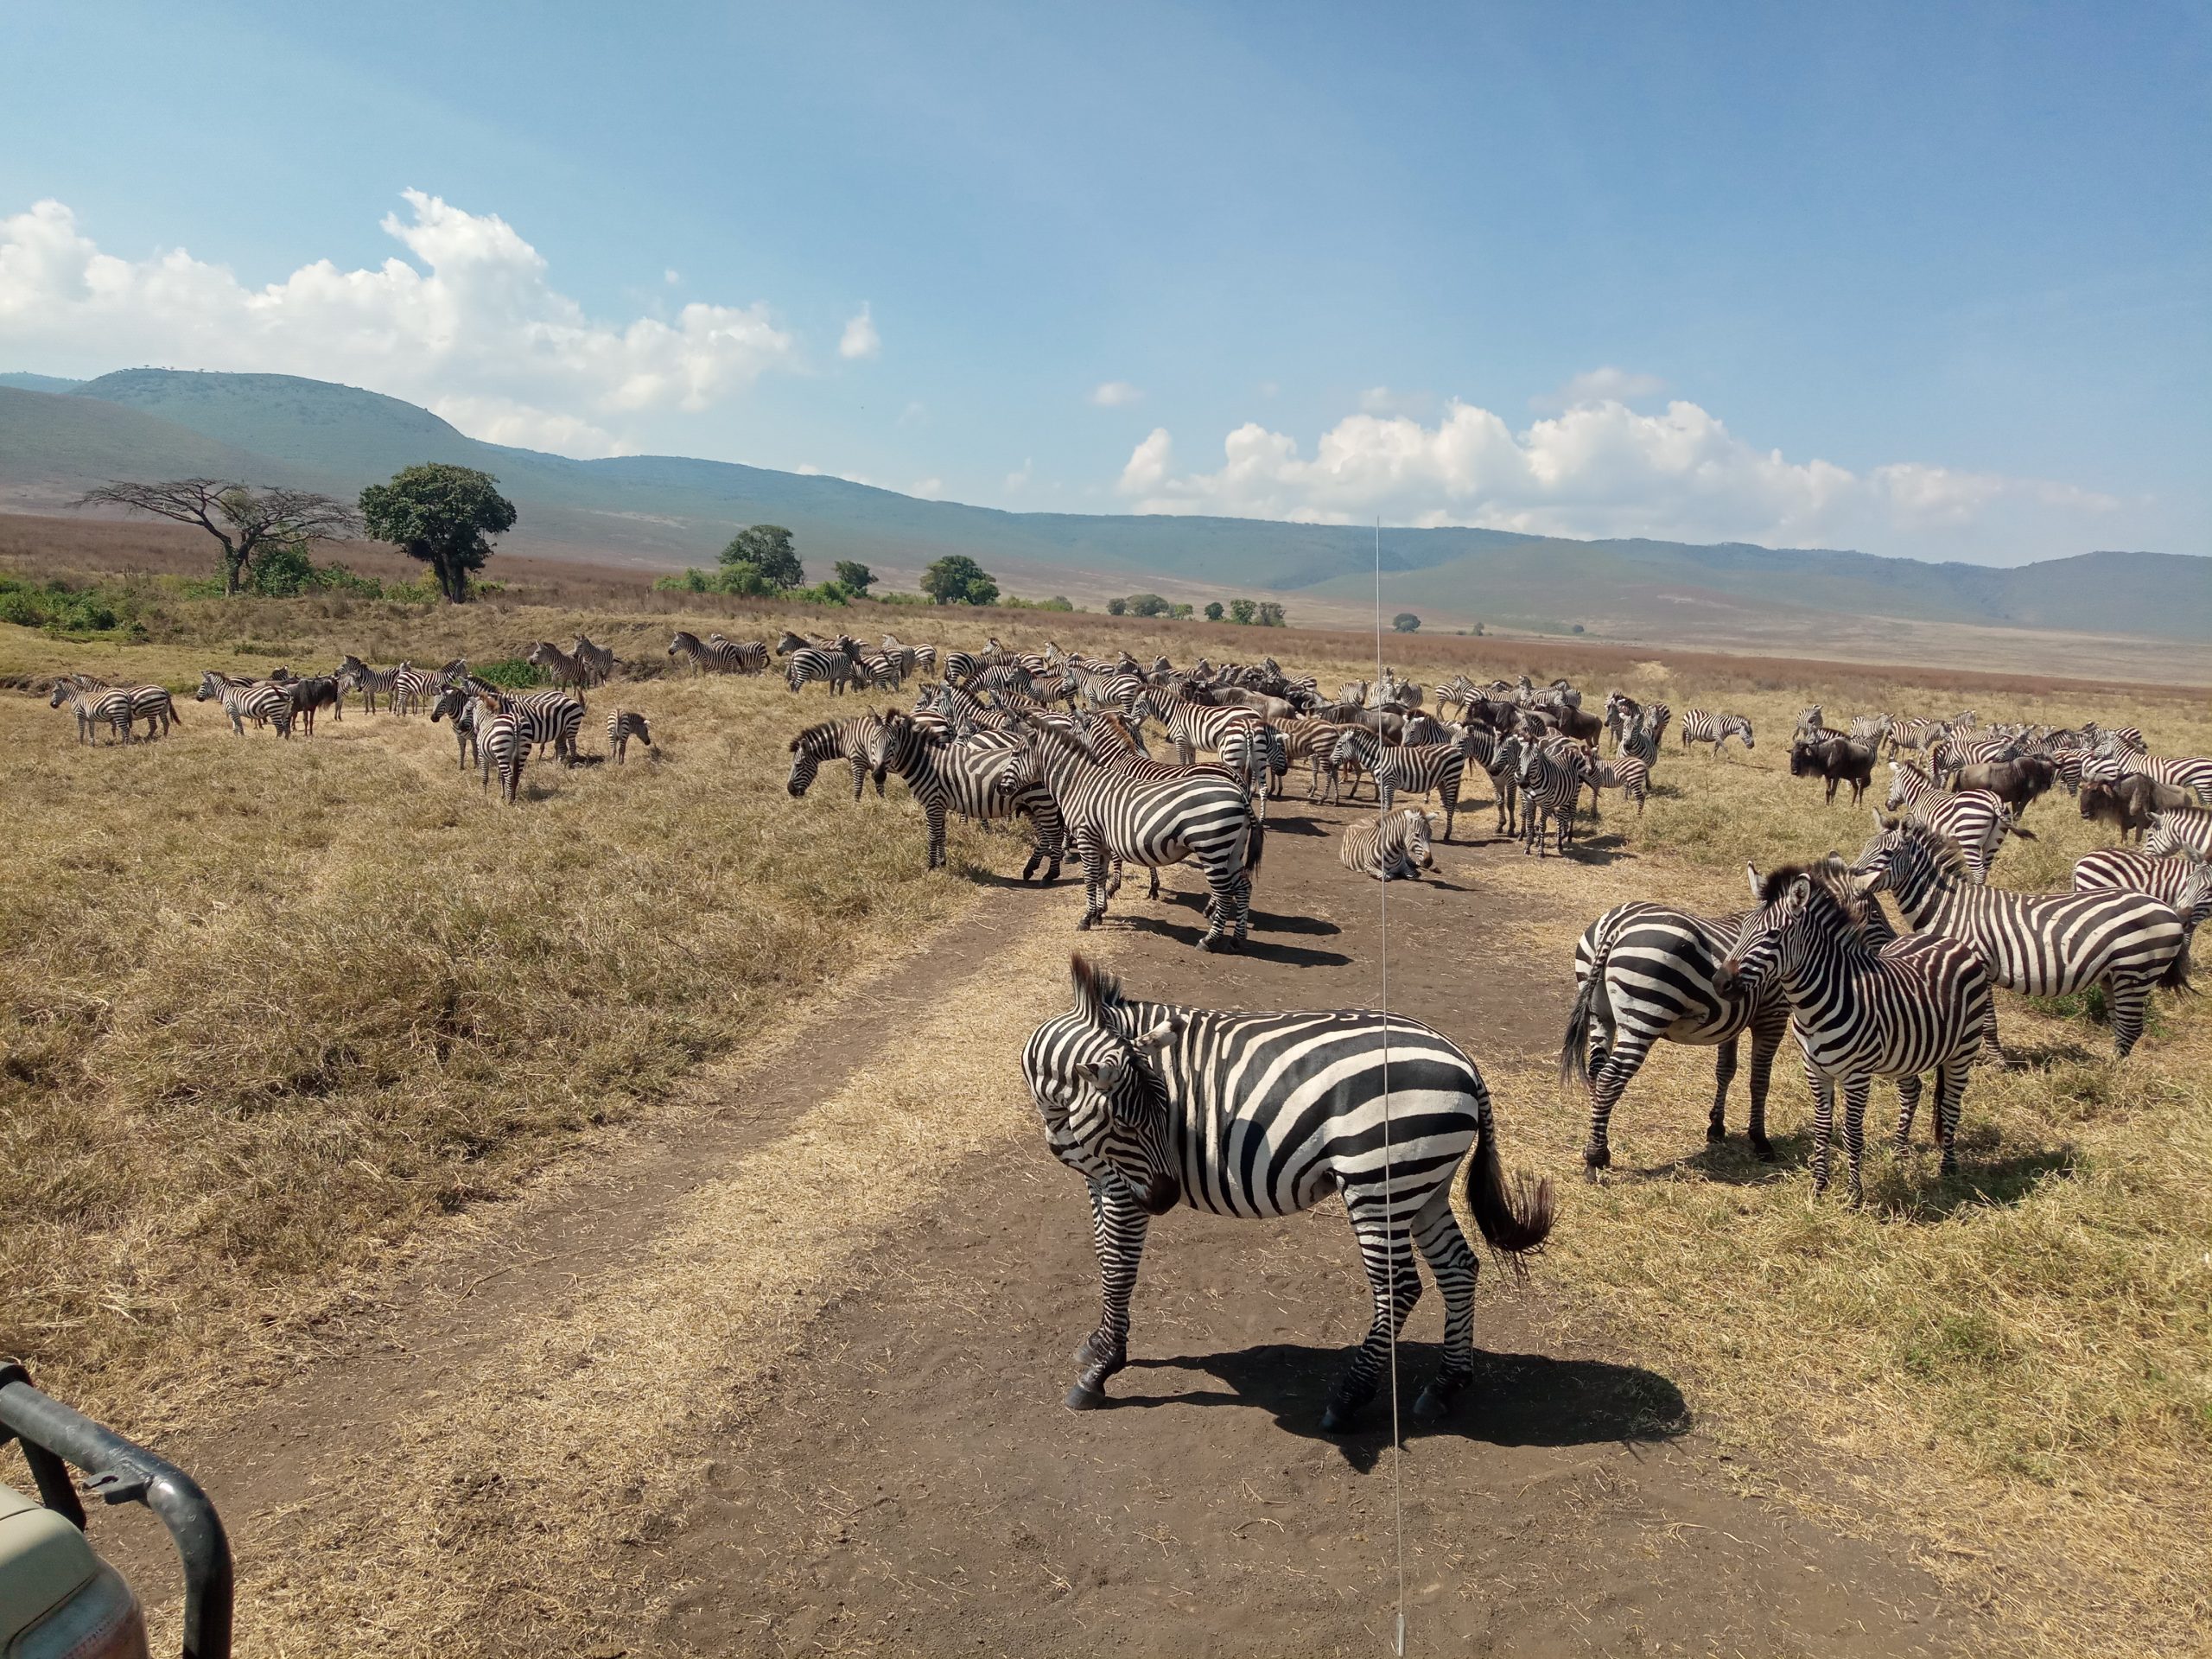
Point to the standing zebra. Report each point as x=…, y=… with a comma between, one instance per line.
x=982, y=779
x=458, y=706
x=2042, y=947
x=833, y=667
x=1861, y=1007
x=1627, y=773
x=1704, y=726
x=1392, y=847
x=558, y=665
x=1552, y=775
x=411, y=685
x=832, y=740
x=1155, y=822
x=2183, y=829
x=1973, y=820
x=92, y=704
x=354, y=674
x=1265, y=1115
x=2183, y=885
x=722, y=657
x=243, y=701
x=623, y=724
x=504, y=745
x=151, y=703
x=1645, y=972
x=1439, y=766
x=598, y=660
x=549, y=719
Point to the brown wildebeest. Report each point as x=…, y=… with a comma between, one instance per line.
x=2018, y=782
x=1836, y=759
x=2129, y=804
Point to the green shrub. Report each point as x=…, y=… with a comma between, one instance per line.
x=509, y=673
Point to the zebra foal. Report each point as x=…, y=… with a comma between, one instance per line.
x=1392, y=848
x=1262, y=1115
x=622, y=725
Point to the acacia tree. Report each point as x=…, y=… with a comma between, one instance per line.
x=956, y=579
x=440, y=514
x=855, y=576
x=248, y=520
x=1405, y=622
x=769, y=549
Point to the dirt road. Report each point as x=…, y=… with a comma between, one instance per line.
x=786, y=1377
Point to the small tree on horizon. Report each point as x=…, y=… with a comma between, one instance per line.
x=1213, y=610
x=956, y=579
x=248, y=520
x=854, y=576
x=769, y=549
x=1405, y=622
x=442, y=514
x=1241, y=611
x=1117, y=607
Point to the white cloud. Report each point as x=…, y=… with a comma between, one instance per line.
x=1602, y=385
x=473, y=324
x=1017, y=479
x=928, y=488
x=1116, y=394
x=671, y=277
x=859, y=338
x=498, y=420
x=1600, y=469
x=915, y=411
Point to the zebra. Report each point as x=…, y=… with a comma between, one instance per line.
x=1155, y=822
x=1439, y=766
x=598, y=660
x=1552, y=779
x=2041, y=946
x=92, y=704
x=1705, y=726
x=1644, y=972
x=504, y=741
x=243, y=701
x=1863, y=1005
x=558, y=665
x=459, y=705
x=1394, y=847
x=1499, y=756
x=831, y=740
x=622, y=725
x=2191, y=773
x=912, y=659
x=1917, y=732
x=1195, y=725
x=1627, y=773
x=2183, y=884
x=549, y=719
x=2184, y=829
x=1868, y=728
x=151, y=703
x=982, y=779
x=1265, y=1115
x=808, y=662
x=1973, y=820
x=411, y=685
x=1121, y=746
x=372, y=683
x=726, y=658
x=1259, y=754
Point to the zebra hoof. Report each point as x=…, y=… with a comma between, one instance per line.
x=1436, y=1401
x=1080, y=1398
x=1716, y=1132
x=1762, y=1149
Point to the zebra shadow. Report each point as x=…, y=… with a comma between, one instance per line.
x=1258, y=950
x=1907, y=1190
x=1515, y=1399
x=1296, y=826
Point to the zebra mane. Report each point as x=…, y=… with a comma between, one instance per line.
x=1097, y=992
x=1831, y=874
x=1942, y=851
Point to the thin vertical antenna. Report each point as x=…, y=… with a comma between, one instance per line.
x=1389, y=1193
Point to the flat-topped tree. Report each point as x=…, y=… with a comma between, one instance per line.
x=440, y=514
x=248, y=520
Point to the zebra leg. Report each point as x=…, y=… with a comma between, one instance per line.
x=1724, y=1073
x=1154, y=892
x=2128, y=999
x=1436, y=1230
x=1607, y=1085
x=933, y=809
x=860, y=773
x=1823, y=1088
x=1765, y=1045
x=1855, y=1090
x=1451, y=810
x=1222, y=906
x=1118, y=1227
x=1908, y=1107
x=1950, y=1095
x=1089, y=847
x=1386, y=1253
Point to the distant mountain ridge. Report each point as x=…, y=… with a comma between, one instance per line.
x=59, y=437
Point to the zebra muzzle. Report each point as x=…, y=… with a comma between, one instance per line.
x=1161, y=1193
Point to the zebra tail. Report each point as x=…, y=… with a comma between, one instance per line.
x=2176, y=978
x=1574, y=1049
x=1256, y=838
x=2012, y=828
x=1515, y=1215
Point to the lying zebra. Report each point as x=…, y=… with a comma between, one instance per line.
x=1392, y=848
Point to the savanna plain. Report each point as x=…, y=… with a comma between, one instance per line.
x=562, y=1227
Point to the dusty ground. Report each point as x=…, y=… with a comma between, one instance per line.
x=872, y=1453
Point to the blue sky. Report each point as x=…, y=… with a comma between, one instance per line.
x=1921, y=280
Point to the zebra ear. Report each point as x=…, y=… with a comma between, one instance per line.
x=1160, y=1035
x=1757, y=887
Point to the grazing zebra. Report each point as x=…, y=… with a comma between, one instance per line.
x=372, y=683
x=597, y=659
x=558, y=665
x=1973, y=820
x=720, y=656
x=504, y=740
x=1160, y=822
x=808, y=662
x=459, y=705
x=831, y=740
x=1265, y=1115
x=983, y=778
x=1644, y=972
x=1439, y=766
x=92, y=704
x=2187, y=828
x=243, y=701
x=1863, y=1005
x=1705, y=726
x=2183, y=884
x=1392, y=847
x=1552, y=775
x=2042, y=947
x=1627, y=773
x=624, y=724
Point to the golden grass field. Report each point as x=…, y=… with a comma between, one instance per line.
x=274, y=1014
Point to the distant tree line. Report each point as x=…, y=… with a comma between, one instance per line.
x=1245, y=612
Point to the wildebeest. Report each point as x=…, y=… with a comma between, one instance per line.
x=2018, y=782
x=316, y=692
x=2129, y=803
x=1836, y=759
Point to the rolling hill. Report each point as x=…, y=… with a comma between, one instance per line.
x=58, y=437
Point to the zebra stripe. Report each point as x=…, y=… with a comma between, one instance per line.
x=1708, y=726
x=92, y=704
x=549, y=719
x=1439, y=766
x=1265, y=1115
x=1552, y=779
x=831, y=740
x=719, y=656
x=354, y=674
x=503, y=741
x=2186, y=829
x=1627, y=773
x=2183, y=885
x=2044, y=947
x=622, y=725
x=1392, y=848
x=809, y=663
x=1863, y=1006
x=1973, y=820
x=985, y=777
x=243, y=701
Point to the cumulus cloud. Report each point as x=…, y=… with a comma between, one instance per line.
x=471, y=322
x=1116, y=394
x=1599, y=469
x=1604, y=385
x=928, y=488
x=1019, y=480
x=859, y=338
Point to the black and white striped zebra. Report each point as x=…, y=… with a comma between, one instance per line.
x=1710, y=726
x=912, y=659
x=622, y=725
x=719, y=656
x=1644, y=973
x=558, y=665
x=2187, y=828
x=411, y=685
x=1120, y=744
x=502, y=744
x=1110, y=814
x=834, y=740
x=1552, y=775
x=987, y=778
x=550, y=720
x=243, y=700
x=1195, y=725
x=459, y=705
x=1426, y=767
x=1863, y=1006
x=151, y=703
x=1391, y=848
x=1973, y=820
x=1629, y=773
x=93, y=704
x=599, y=662
x=2040, y=946
x=833, y=667
x=1918, y=731
x=352, y=674
x=1262, y=1115
x=2190, y=772
x=2183, y=884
